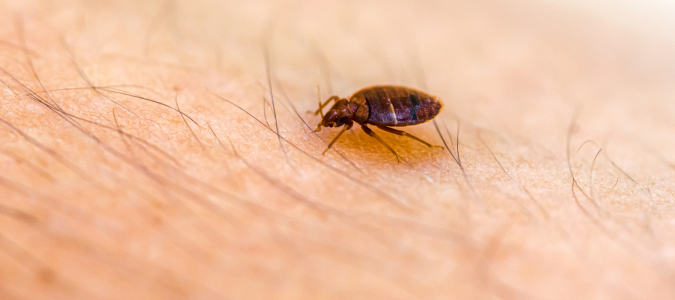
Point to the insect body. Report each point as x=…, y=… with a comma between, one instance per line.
x=384, y=106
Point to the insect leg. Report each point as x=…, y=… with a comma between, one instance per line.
x=347, y=126
x=403, y=133
x=369, y=132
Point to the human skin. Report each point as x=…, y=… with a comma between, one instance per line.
x=108, y=192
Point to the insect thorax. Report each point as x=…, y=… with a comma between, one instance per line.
x=360, y=115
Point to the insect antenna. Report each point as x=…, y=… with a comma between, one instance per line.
x=318, y=93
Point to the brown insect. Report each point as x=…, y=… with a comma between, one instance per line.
x=382, y=106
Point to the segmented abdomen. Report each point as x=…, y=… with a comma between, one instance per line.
x=392, y=105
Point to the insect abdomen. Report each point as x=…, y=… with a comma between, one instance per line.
x=391, y=105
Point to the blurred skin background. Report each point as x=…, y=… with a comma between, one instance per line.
x=140, y=157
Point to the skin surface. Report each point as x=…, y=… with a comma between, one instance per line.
x=565, y=188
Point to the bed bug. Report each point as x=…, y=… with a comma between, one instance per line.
x=383, y=106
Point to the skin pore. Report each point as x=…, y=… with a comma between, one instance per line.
x=140, y=158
